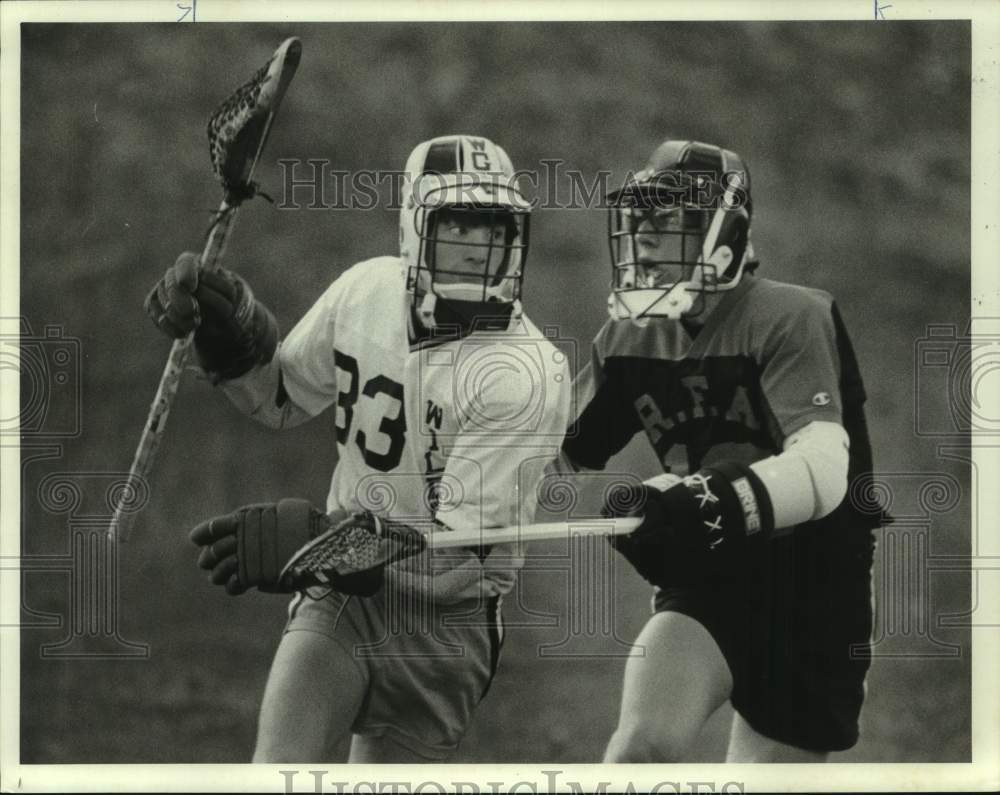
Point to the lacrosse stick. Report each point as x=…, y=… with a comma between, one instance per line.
x=348, y=548
x=237, y=133
x=352, y=547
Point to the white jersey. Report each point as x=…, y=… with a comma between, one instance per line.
x=456, y=431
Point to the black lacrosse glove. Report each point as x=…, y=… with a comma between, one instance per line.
x=659, y=549
x=233, y=331
x=699, y=528
x=250, y=547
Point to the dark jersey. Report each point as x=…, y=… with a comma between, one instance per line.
x=770, y=358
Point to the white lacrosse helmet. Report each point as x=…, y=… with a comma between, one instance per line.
x=471, y=176
x=678, y=229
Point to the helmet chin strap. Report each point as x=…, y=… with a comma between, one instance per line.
x=468, y=292
x=635, y=304
x=426, y=310
x=672, y=303
x=678, y=301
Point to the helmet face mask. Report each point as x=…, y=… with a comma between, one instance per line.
x=468, y=253
x=677, y=231
x=464, y=230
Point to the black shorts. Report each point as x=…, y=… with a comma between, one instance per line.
x=795, y=628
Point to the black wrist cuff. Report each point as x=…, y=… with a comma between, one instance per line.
x=231, y=352
x=742, y=512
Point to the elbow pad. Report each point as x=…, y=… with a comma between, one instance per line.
x=809, y=479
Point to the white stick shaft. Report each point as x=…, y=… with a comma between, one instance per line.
x=543, y=531
x=129, y=501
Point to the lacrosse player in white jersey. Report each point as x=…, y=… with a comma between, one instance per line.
x=449, y=401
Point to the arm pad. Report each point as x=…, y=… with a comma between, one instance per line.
x=809, y=479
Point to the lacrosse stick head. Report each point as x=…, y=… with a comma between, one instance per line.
x=360, y=544
x=239, y=127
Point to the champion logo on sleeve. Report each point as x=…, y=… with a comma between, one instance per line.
x=821, y=399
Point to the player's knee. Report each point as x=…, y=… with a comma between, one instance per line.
x=644, y=742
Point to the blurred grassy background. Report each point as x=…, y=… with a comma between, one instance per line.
x=857, y=136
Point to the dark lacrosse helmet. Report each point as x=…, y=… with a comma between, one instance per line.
x=678, y=229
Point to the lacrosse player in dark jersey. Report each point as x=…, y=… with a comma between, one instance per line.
x=760, y=556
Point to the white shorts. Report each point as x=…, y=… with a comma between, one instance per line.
x=427, y=665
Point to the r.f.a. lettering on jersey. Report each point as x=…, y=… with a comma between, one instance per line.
x=660, y=426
